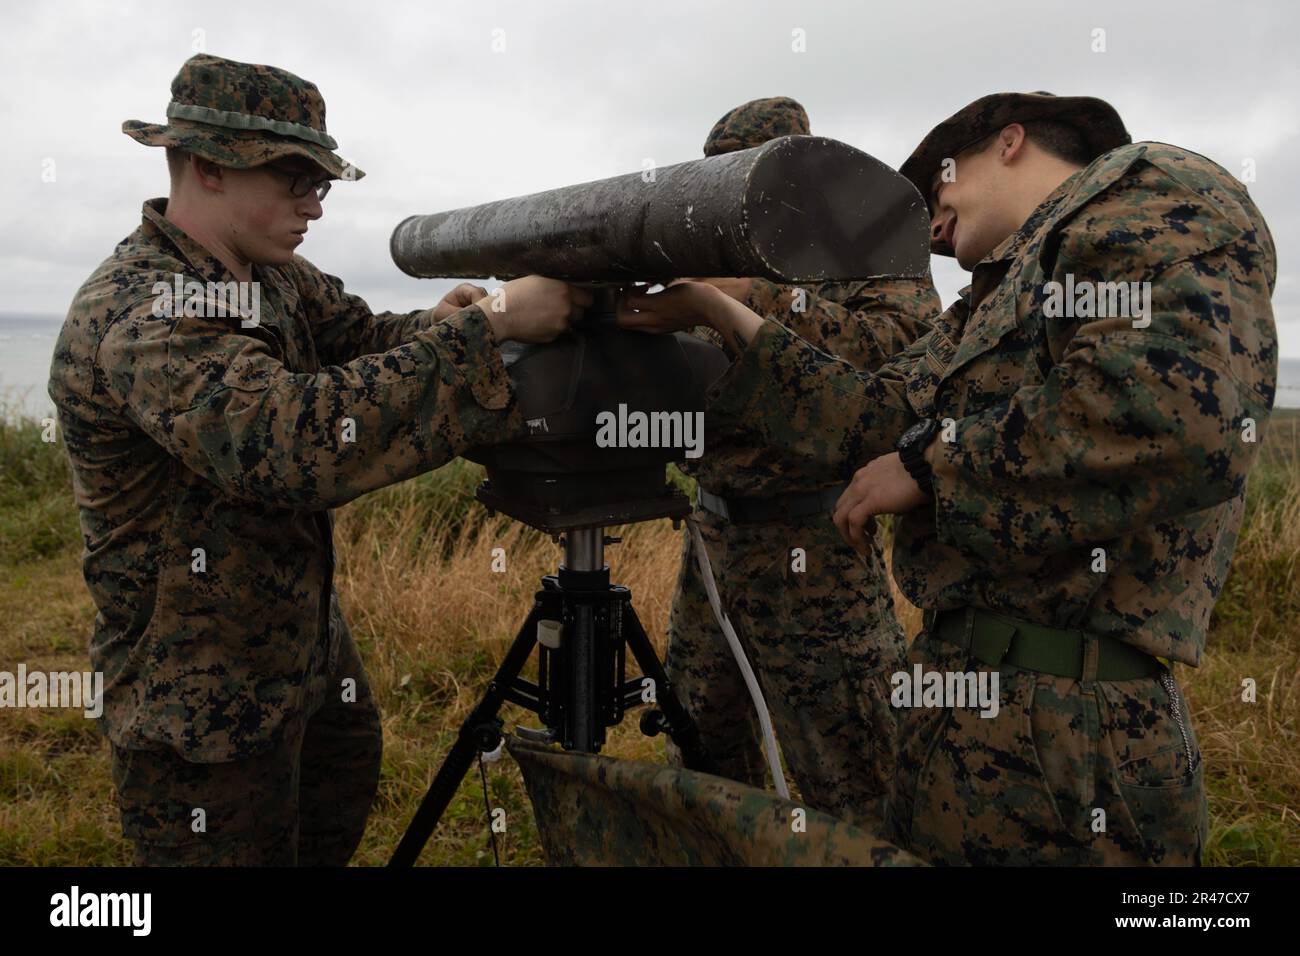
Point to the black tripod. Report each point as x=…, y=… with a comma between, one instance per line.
x=582, y=626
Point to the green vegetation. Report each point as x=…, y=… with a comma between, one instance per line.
x=432, y=625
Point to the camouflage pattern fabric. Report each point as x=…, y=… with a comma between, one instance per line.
x=823, y=640
x=1068, y=433
x=863, y=322
x=754, y=123
x=242, y=115
x=304, y=802
x=594, y=811
x=823, y=643
x=187, y=432
x=1070, y=773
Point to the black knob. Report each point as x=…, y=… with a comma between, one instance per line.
x=653, y=723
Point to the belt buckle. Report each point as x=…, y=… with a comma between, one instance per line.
x=1089, y=657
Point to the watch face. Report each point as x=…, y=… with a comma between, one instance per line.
x=915, y=432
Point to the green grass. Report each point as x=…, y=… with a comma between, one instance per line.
x=37, y=519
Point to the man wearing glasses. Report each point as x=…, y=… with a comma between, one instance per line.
x=207, y=448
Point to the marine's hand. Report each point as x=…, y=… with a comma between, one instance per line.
x=464, y=294
x=533, y=309
x=881, y=487
x=683, y=305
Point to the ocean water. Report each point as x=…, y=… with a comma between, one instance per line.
x=1288, y=383
x=27, y=345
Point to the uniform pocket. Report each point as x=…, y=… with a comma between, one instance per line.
x=1158, y=769
x=1150, y=733
x=1171, y=818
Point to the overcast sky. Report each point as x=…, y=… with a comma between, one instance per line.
x=583, y=90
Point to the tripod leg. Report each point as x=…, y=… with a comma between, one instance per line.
x=479, y=730
x=681, y=726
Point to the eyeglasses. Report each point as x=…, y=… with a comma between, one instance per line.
x=300, y=183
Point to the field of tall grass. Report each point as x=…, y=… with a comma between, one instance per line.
x=432, y=621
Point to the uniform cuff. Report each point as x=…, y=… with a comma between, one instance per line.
x=468, y=338
x=751, y=380
x=766, y=298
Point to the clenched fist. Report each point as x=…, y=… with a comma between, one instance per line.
x=533, y=309
x=458, y=298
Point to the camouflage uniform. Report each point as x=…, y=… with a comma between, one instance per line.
x=227, y=668
x=1070, y=434
x=824, y=640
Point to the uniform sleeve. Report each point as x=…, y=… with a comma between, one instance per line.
x=221, y=401
x=813, y=406
x=343, y=326
x=876, y=319
x=711, y=335
x=1132, y=425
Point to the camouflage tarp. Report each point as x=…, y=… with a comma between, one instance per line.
x=594, y=811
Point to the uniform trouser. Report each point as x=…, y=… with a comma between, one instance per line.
x=823, y=643
x=303, y=802
x=1068, y=772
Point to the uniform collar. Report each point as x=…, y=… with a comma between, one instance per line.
x=156, y=227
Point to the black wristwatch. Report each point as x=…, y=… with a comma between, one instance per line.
x=911, y=451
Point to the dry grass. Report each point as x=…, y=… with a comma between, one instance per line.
x=432, y=621
x=1251, y=753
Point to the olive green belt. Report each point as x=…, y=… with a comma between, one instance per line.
x=996, y=639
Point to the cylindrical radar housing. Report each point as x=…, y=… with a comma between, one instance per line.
x=796, y=209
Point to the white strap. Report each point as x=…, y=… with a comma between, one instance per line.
x=764, y=720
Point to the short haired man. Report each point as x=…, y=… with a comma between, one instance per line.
x=1070, y=476
x=218, y=394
